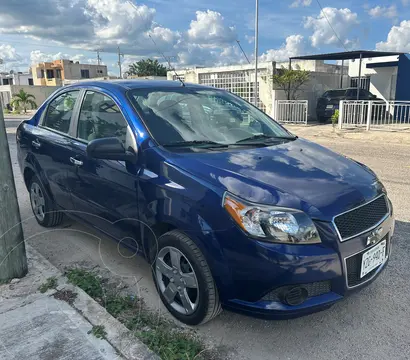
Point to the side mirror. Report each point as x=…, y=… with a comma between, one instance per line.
x=110, y=148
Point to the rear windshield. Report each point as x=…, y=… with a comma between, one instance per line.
x=334, y=93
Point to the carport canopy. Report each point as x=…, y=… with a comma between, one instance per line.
x=346, y=55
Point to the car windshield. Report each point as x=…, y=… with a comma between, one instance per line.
x=198, y=116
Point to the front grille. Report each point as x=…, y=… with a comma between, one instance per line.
x=362, y=218
x=313, y=289
x=353, y=268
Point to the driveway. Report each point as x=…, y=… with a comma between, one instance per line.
x=372, y=324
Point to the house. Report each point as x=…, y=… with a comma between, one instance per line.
x=54, y=73
x=14, y=78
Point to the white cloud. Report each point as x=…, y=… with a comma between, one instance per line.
x=209, y=28
x=8, y=53
x=295, y=45
x=298, y=3
x=38, y=56
x=405, y=2
x=398, y=38
x=342, y=20
x=379, y=11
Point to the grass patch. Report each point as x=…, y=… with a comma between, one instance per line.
x=161, y=336
x=87, y=281
x=98, y=331
x=51, y=283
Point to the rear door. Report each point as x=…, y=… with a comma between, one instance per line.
x=105, y=191
x=50, y=145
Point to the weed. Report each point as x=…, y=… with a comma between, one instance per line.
x=98, y=331
x=87, y=281
x=65, y=295
x=335, y=118
x=51, y=283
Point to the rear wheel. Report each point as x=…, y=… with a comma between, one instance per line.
x=184, y=280
x=42, y=205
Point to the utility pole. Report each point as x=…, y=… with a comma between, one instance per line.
x=119, y=61
x=98, y=60
x=256, y=51
x=13, y=260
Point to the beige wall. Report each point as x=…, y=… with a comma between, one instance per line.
x=72, y=71
x=41, y=93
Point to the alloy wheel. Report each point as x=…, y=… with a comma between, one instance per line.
x=177, y=280
x=37, y=201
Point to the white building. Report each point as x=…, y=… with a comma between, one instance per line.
x=379, y=75
x=240, y=79
x=18, y=78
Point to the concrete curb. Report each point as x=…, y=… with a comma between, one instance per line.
x=118, y=335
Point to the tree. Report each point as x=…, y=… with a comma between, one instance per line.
x=290, y=81
x=13, y=260
x=147, y=67
x=23, y=99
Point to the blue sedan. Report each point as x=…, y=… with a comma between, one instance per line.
x=231, y=209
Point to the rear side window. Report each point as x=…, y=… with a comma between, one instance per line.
x=100, y=117
x=59, y=112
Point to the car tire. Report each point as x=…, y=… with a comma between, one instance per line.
x=175, y=284
x=42, y=205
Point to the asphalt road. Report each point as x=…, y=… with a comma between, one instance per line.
x=371, y=324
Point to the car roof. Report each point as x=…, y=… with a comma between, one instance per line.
x=135, y=84
x=344, y=89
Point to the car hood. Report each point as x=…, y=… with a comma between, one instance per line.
x=297, y=174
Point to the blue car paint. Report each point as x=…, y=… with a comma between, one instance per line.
x=185, y=190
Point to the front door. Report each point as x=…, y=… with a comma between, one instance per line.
x=104, y=192
x=51, y=146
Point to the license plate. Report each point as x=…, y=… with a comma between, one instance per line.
x=329, y=107
x=373, y=258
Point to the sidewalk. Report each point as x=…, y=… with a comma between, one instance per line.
x=39, y=326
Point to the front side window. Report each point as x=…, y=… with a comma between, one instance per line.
x=198, y=115
x=100, y=117
x=58, y=116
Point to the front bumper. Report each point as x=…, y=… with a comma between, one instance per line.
x=286, y=266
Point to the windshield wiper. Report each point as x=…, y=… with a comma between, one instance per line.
x=265, y=137
x=203, y=143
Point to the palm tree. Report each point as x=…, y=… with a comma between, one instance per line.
x=23, y=99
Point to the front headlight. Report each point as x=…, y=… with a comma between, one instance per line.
x=271, y=223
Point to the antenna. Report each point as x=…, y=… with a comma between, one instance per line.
x=243, y=52
x=169, y=64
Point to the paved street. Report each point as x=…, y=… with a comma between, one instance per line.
x=372, y=324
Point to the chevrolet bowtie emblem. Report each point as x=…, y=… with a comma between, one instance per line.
x=375, y=236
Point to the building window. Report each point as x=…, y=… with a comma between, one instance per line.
x=85, y=74
x=6, y=82
x=42, y=74
x=30, y=82
x=364, y=82
x=100, y=72
x=240, y=82
x=58, y=73
x=50, y=74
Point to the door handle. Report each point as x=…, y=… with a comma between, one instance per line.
x=76, y=162
x=36, y=144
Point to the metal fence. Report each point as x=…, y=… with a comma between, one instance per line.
x=375, y=115
x=291, y=111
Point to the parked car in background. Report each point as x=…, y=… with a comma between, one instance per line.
x=328, y=103
x=229, y=207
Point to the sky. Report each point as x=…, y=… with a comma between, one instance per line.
x=194, y=32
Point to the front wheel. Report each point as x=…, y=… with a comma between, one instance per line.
x=184, y=280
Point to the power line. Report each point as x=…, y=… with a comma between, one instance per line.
x=243, y=52
x=328, y=21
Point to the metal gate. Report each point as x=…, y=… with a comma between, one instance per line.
x=373, y=115
x=291, y=111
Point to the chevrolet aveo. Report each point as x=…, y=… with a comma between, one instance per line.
x=231, y=209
